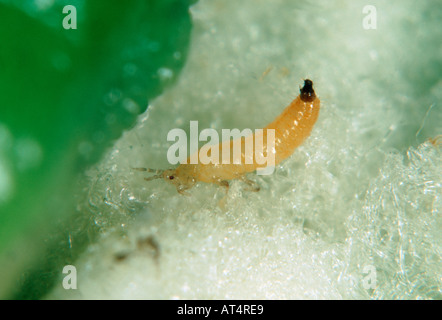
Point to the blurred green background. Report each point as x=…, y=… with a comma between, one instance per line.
x=65, y=95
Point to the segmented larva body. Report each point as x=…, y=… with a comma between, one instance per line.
x=291, y=127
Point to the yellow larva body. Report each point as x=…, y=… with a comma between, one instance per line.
x=291, y=127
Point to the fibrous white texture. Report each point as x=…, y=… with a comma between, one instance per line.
x=354, y=213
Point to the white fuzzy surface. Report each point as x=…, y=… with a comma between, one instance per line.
x=363, y=190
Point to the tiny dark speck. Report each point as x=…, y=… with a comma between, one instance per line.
x=121, y=256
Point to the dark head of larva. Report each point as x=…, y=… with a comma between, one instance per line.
x=307, y=92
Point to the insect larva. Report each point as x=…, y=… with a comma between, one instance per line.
x=291, y=127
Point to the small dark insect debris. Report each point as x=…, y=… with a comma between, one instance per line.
x=149, y=243
x=121, y=256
